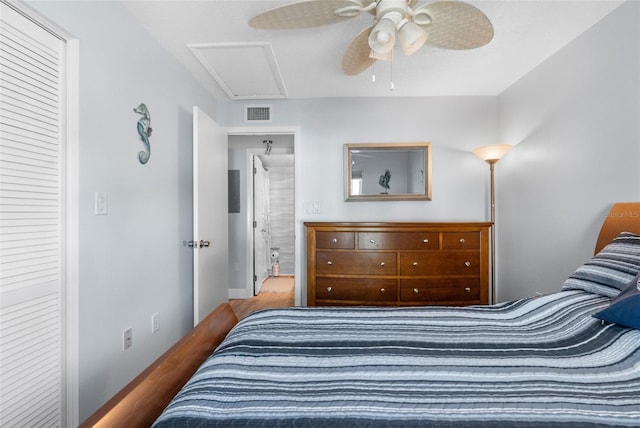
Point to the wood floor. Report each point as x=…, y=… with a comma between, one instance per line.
x=243, y=307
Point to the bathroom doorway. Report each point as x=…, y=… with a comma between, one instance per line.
x=262, y=230
x=273, y=217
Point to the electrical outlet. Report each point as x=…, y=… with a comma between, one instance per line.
x=155, y=322
x=127, y=338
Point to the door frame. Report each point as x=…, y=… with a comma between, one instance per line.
x=298, y=232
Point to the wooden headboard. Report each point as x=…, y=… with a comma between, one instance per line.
x=623, y=217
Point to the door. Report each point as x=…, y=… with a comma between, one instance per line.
x=261, y=224
x=33, y=245
x=210, y=216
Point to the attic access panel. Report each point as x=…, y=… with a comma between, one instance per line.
x=243, y=70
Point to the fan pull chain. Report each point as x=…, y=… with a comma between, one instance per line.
x=391, y=75
x=373, y=73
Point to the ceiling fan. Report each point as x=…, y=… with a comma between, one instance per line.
x=443, y=24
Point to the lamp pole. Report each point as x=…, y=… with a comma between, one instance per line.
x=491, y=155
x=492, y=165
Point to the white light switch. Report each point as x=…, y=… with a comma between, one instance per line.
x=100, y=203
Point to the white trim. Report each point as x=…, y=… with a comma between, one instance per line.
x=298, y=227
x=72, y=189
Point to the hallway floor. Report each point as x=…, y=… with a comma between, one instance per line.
x=274, y=293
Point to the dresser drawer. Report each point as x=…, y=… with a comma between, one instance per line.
x=398, y=240
x=366, y=289
x=340, y=240
x=441, y=263
x=440, y=289
x=460, y=240
x=356, y=263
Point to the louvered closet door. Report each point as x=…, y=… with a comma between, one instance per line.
x=31, y=224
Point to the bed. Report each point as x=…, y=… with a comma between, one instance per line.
x=541, y=361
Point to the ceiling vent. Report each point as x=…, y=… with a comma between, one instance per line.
x=257, y=114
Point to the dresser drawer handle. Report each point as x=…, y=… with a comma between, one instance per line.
x=467, y=290
x=334, y=240
x=426, y=241
x=416, y=291
x=381, y=263
x=467, y=264
x=373, y=241
x=382, y=290
x=329, y=262
x=415, y=263
x=462, y=240
x=329, y=289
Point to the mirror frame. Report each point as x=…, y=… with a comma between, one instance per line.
x=424, y=196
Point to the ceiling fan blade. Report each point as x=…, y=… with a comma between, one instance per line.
x=456, y=25
x=356, y=58
x=305, y=14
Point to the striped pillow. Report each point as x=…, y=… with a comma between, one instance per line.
x=609, y=271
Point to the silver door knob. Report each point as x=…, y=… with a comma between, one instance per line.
x=467, y=264
x=381, y=263
x=329, y=289
x=467, y=289
x=462, y=240
x=415, y=263
x=416, y=291
x=204, y=244
x=382, y=290
x=329, y=262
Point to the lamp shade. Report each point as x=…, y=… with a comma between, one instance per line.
x=493, y=153
x=383, y=36
x=410, y=36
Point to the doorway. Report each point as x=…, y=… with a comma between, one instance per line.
x=273, y=214
x=266, y=216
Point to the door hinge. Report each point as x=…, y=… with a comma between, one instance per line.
x=255, y=224
x=255, y=278
x=255, y=171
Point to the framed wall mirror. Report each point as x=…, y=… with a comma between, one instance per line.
x=387, y=172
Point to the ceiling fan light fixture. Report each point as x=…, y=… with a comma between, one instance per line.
x=411, y=36
x=382, y=56
x=421, y=16
x=383, y=36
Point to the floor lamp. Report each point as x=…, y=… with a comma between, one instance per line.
x=491, y=155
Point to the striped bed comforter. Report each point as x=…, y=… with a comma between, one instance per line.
x=533, y=362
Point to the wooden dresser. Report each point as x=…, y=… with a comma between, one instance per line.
x=397, y=264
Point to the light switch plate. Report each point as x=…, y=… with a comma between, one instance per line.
x=100, y=203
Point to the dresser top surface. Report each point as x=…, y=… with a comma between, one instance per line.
x=395, y=225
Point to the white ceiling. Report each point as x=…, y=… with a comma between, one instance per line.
x=526, y=33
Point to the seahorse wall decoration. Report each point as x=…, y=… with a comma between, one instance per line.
x=144, y=129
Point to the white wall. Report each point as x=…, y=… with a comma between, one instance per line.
x=575, y=123
x=132, y=263
x=454, y=125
